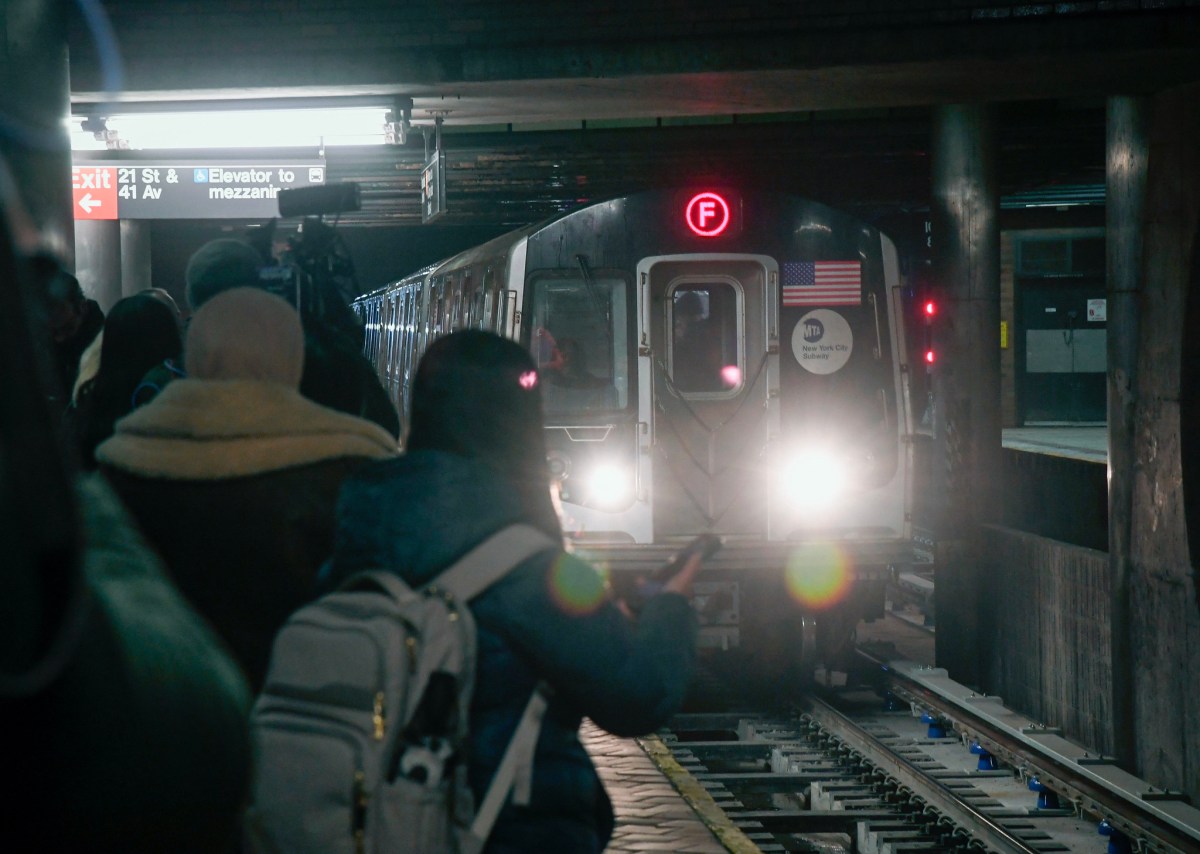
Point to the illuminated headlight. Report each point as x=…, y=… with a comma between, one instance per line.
x=813, y=479
x=608, y=485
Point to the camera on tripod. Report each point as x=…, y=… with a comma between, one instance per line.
x=315, y=272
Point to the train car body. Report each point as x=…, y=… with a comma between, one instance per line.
x=710, y=360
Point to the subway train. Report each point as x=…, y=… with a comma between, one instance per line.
x=711, y=360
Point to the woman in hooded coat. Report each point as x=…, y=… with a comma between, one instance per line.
x=233, y=475
x=476, y=463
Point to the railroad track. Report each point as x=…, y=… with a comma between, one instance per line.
x=905, y=760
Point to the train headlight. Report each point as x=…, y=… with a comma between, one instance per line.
x=814, y=478
x=608, y=485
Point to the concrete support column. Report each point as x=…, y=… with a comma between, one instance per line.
x=1164, y=622
x=966, y=378
x=135, y=256
x=98, y=260
x=1127, y=130
x=34, y=100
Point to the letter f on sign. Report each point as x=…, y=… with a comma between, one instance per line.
x=707, y=214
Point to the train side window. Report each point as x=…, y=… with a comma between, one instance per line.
x=388, y=315
x=705, y=355
x=408, y=325
x=397, y=325
x=437, y=298
x=459, y=318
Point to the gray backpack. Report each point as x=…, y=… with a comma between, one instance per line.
x=361, y=726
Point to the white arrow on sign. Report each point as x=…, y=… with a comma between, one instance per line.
x=87, y=203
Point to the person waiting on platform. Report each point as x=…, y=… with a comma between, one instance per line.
x=124, y=718
x=139, y=333
x=476, y=463
x=74, y=321
x=233, y=475
x=156, y=377
x=336, y=373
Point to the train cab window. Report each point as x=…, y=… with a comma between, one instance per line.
x=705, y=356
x=579, y=340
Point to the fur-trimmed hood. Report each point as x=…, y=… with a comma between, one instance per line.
x=216, y=429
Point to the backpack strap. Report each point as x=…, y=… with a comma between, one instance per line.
x=516, y=766
x=490, y=561
x=473, y=573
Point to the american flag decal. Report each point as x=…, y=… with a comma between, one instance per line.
x=822, y=283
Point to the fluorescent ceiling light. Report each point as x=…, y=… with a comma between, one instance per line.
x=309, y=128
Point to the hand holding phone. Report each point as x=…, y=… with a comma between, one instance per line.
x=704, y=547
x=677, y=574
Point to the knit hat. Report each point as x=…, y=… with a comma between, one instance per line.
x=246, y=334
x=218, y=266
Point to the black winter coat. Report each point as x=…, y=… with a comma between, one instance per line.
x=551, y=618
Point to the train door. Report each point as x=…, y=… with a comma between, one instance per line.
x=708, y=359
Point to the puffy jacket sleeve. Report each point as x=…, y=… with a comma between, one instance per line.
x=627, y=676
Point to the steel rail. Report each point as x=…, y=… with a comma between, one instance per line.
x=982, y=827
x=1076, y=780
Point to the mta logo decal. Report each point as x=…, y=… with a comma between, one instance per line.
x=814, y=330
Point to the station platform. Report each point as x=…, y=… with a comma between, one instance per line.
x=1074, y=442
x=651, y=813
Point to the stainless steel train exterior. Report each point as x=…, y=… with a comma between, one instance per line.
x=711, y=360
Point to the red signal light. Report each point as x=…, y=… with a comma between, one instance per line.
x=929, y=358
x=930, y=308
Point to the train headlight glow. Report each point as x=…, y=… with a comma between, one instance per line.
x=608, y=485
x=814, y=478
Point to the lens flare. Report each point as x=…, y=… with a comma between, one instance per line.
x=731, y=375
x=528, y=379
x=818, y=575
x=576, y=587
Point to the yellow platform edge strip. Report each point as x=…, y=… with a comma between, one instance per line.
x=698, y=798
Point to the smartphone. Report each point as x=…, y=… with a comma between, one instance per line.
x=705, y=545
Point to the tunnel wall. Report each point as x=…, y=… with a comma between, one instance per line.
x=1046, y=632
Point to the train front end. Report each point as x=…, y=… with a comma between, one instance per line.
x=717, y=361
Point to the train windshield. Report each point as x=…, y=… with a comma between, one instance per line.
x=579, y=341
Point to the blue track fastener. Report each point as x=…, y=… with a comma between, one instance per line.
x=937, y=726
x=1047, y=799
x=987, y=762
x=1118, y=842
